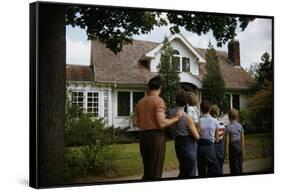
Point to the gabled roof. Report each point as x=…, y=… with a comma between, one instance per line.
x=126, y=68
x=200, y=58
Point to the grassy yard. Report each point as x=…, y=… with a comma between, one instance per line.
x=128, y=162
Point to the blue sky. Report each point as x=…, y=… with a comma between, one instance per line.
x=254, y=41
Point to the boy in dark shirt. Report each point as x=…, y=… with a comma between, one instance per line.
x=235, y=143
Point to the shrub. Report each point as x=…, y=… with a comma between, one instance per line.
x=88, y=145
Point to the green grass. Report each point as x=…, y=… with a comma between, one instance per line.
x=128, y=162
x=258, y=146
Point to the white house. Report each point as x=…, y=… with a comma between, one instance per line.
x=113, y=83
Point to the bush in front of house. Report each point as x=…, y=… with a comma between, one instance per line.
x=88, y=145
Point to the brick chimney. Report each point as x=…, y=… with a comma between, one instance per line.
x=234, y=52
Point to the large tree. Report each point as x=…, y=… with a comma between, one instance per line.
x=213, y=82
x=260, y=112
x=167, y=71
x=113, y=27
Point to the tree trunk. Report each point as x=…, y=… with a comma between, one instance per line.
x=52, y=76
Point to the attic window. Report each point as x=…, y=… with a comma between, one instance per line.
x=177, y=60
x=185, y=64
x=176, y=52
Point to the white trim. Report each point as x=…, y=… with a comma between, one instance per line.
x=189, y=78
x=152, y=53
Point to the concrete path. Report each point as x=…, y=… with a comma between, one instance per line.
x=258, y=165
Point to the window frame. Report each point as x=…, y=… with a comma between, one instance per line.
x=177, y=54
x=77, y=103
x=93, y=107
x=131, y=106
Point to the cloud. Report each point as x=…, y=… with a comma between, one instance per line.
x=77, y=52
x=254, y=41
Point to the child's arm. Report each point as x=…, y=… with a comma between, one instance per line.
x=190, y=125
x=217, y=135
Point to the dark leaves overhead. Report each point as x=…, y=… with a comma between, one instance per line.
x=116, y=27
x=222, y=26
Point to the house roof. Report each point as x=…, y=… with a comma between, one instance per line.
x=125, y=67
x=235, y=77
x=79, y=73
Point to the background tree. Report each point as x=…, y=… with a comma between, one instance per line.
x=262, y=72
x=168, y=73
x=260, y=108
x=112, y=27
x=213, y=82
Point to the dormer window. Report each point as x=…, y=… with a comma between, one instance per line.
x=185, y=64
x=182, y=63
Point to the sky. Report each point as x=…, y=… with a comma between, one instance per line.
x=254, y=41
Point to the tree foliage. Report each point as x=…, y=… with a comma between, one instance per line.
x=260, y=108
x=213, y=82
x=168, y=73
x=262, y=72
x=116, y=27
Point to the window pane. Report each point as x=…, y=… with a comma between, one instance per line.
x=176, y=61
x=236, y=101
x=185, y=64
x=93, y=103
x=123, y=103
x=77, y=98
x=136, y=97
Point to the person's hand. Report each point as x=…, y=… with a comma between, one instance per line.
x=179, y=114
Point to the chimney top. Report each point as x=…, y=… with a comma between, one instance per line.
x=234, y=52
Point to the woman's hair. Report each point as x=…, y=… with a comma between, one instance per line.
x=181, y=98
x=233, y=114
x=215, y=111
x=155, y=83
x=192, y=99
x=205, y=106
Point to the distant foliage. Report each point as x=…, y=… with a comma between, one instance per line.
x=168, y=73
x=213, y=82
x=260, y=108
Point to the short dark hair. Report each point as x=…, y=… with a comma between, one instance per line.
x=181, y=99
x=205, y=106
x=155, y=83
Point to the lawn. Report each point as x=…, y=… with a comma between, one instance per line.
x=128, y=162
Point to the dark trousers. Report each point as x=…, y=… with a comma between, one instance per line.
x=235, y=157
x=152, y=148
x=207, y=162
x=220, y=155
x=186, y=151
